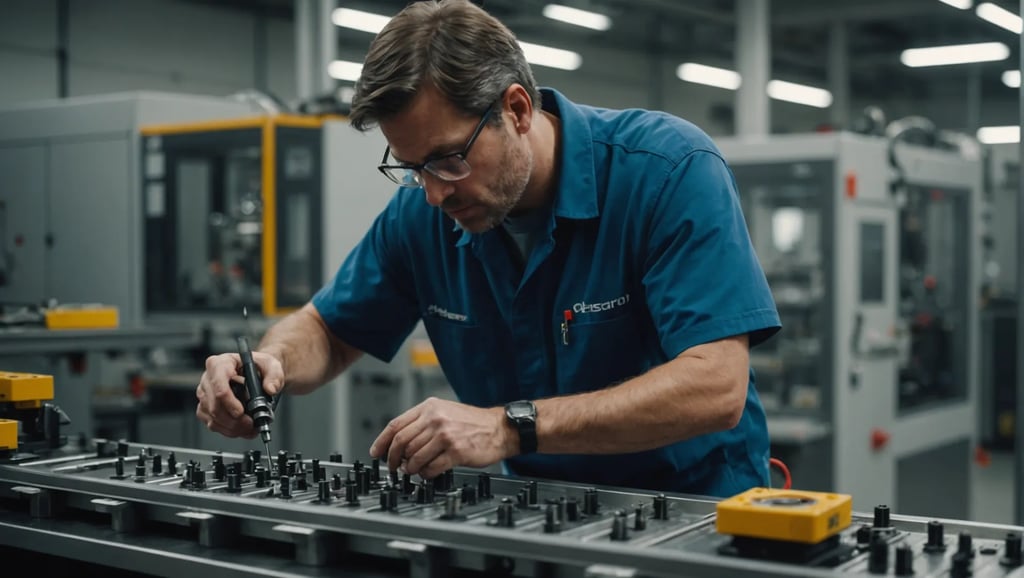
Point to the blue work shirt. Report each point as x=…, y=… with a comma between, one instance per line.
x=646, y=245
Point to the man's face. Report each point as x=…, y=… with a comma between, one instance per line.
x=500, y=159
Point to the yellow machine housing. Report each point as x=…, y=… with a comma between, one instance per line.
x=25, y=392
x=786, y=515
x=82, y=317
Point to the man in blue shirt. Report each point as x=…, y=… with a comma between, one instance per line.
x=585, y=276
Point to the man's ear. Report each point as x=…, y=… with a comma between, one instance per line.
x=518, y=108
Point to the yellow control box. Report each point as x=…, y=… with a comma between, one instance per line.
x=85, y=317
x=8, y=434
x=25, y=388
x=787, y=515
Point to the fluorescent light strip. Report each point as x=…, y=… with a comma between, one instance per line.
x=799, y=93
x=955, y=54
x=999, y=16
x=1011, y=78
x=709, y=75
x=359, y=20
x=999, y=134
x=551, y=57
x=577, y=17
x=345, y=70
x=961, y=4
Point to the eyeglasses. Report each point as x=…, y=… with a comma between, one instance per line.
x=448, y=167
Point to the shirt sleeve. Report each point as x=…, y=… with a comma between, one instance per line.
x=369, y=304
x=702, y=278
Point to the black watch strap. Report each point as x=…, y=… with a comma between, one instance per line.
x=527, y=436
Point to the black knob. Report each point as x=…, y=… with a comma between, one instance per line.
x=393, y=477
x=523, y=498
x=351, y=493
x=407, y=486
x=506, y=514
x=158, y=465
x=140, y=472
x=118, y=468
x=936, y=540
x=301, y=481
x=1012, y=554
x=904, y=560
x=389, y=499
x=468, y=494
x=292, y=468
x=483, y=486
x=282, y=461
x=882, y=516
x=660, y=507
x=428, y=491
x=552, y=523
x=878, y=557
x=247, y=462
x=122, y=448
x=620, y=531
x=141, y=460
x=449, y=479
x=531, y=488
x=864, y=535
x=261, y=477
x=363, y=480
x=172, y=464
x=336, y=482
x=335, y=458
x=375, y=471
x=198, y=477
x=286, y=487
x=572, y=510
x=964, y=544
x=452, y=501
x=234, y=483
x=640, y=518
x=323, y=493
x=357, y=466
x=218, y=467
x=317, y=471
x=961, y=566
x=590, y=505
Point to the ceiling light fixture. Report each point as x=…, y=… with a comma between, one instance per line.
x=345, y=70
x=551, y=57
x=955, y=54
x=709, y=75
x=999, y=134
x=961, y=4
x=577, y=17
x=359, y=20
x=999, y=16
x=1011, y=78
x=799, y=93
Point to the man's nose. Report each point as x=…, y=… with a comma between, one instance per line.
x=437, y=190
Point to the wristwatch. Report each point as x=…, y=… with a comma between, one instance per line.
x=522, y=415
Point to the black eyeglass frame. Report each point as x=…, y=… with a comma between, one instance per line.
x=418, y=168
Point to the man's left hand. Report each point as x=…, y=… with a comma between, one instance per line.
x=438, y=435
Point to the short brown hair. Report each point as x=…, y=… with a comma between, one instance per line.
x=460, y=49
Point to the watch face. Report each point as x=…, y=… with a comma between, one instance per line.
x=520, y=409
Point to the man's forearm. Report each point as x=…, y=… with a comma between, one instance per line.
x=702, y=391
x=307, y=350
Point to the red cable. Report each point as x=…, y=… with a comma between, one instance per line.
x=785, y=472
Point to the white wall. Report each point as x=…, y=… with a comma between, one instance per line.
x=117, y=45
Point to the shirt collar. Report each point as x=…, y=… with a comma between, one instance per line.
x=576, y=196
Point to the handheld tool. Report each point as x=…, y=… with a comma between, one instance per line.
x=257, y=405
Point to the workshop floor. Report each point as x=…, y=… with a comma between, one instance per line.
x=992, y=495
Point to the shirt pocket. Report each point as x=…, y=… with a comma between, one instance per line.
x=601, y=352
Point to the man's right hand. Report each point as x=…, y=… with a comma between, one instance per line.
x=218, y=408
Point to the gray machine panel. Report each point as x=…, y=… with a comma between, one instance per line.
x=216, y=514
x=22, y=223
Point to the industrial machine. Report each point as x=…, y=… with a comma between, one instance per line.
x=872, y=249
x=103, y=505
x=29, y=423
